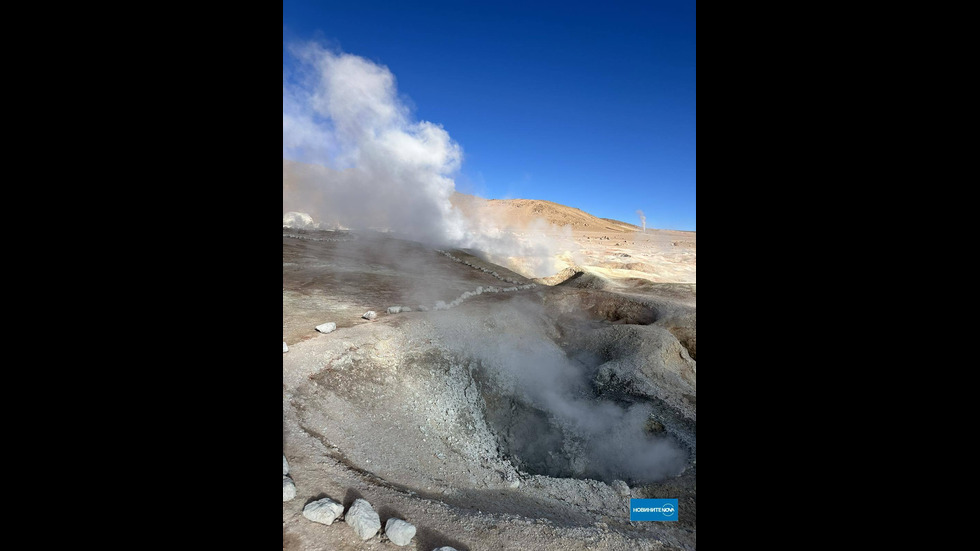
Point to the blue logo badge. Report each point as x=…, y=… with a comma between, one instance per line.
x=652, y=510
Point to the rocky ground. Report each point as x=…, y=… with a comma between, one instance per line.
x=480, y=415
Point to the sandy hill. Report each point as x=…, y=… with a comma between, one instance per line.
x=511, y=213
x=520, y=213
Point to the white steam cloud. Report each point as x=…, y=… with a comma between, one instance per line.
x=371, y=166
x=643, y=218
x=383, y=170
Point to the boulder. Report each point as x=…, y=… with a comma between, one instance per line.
x=399, y=532
x=363, y=519
x=324, y=511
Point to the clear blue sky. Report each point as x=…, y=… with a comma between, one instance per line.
x=587, y=104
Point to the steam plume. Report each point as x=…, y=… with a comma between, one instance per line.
x=383, y=170
x=606, y=437
x=376, y=167
x=643, y=218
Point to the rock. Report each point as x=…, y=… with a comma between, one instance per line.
x=284, y=348
x=324, y=511
x=327, y=328
x=285, y=466
x=395, y=310
x=621, y=488
x=370, y=316
x=298, y=220
x=399, y=532
x=288, y=489
x=363, y=519
x=445, y=549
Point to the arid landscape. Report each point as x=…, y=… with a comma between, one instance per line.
x=489, y=312
x=497, y=400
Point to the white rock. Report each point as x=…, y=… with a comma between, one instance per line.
x=395, y=310
x=445, y=549
x=285, y=466
x=297, y=220
x=363, y=519
x=288, y=489
x=399, y=532
x=284, y=348
x=327, y=328
x=324, y=511
x=370, y=315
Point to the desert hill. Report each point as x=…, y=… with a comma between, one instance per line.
x=510, y=213
x=519, y=213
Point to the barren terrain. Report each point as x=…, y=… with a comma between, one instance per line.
x=610, y=249
x=502, y=412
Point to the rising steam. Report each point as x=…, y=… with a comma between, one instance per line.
x=381, y=169
x=643, y=218
x=580, y=436
x=371, y=166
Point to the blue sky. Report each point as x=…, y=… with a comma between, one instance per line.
x=591, y=105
